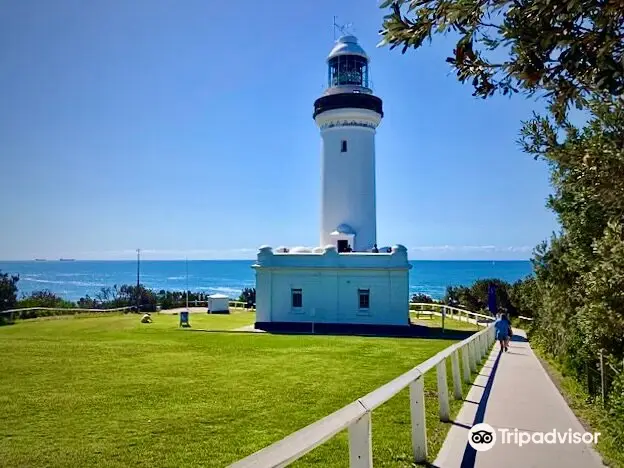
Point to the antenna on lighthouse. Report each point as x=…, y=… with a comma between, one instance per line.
x=344, y=28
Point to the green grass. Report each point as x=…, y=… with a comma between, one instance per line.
x=81, y=391
x=593, y=415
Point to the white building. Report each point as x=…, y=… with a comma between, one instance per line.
x=346, y=283
x=218, y=304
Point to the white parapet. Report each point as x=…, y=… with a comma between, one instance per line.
x=328, y=257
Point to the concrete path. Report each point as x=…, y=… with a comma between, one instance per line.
x=513, y=391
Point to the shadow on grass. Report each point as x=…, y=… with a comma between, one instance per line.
x=304, y=328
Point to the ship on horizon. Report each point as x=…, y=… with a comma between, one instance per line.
x=67, y=259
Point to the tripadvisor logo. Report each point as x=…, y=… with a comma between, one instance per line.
x=482, y=437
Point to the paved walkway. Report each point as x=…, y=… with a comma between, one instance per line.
x=513, y=391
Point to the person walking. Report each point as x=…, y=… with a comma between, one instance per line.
x=502, y=327
x=509, y=333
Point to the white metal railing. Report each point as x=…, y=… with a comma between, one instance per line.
x=356, y=417
x=240, y=305
x=455, y=313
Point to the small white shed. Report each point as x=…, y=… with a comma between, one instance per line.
x=218, y=304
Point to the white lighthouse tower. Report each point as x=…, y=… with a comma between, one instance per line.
x=348, y=115
x=345, y=284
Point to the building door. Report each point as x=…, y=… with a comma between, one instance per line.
x=342, y=245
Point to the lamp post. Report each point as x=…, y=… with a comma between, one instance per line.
x=138, y=292
x=187, y=286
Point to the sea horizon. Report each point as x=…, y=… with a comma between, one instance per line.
x=237, y=260
x=74, y=279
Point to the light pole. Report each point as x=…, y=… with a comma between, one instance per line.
x=187, y=287
x=138, y=292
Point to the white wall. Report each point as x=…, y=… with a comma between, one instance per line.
x=330, y=283
x=348, y=179
x=218, y=304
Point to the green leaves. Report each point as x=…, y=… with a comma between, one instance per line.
x=564, y=50
x=8, y=291
x=580, y=273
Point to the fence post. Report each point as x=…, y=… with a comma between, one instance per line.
x=457, y=385
x=475, y=344
x=360, y=443
x=481, y=350
x=443, y=399
x=466, y=361
x=443, y=315
x=419, y=426
x=473, y=357
x=603, y=385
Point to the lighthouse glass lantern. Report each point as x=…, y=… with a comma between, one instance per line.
x=351, y=70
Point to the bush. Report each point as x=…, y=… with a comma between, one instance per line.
x=44, y=298
x=248, y=296
x=422, y=298
x=475, y=296
x=8, y=291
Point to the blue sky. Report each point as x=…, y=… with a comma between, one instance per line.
x=185, y=128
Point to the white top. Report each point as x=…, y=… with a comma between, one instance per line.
x=218, y=296
x=347, y=45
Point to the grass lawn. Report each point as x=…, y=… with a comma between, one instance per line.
x=81, y=391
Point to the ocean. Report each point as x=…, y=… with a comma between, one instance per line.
x=74, y=279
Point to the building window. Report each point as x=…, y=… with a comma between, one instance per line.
x=364, y=298
x=343, y=146
x=297, y=298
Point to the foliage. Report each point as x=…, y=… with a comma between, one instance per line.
x=567, y=49
x=173, y=299
x=422, y=298
x=8, y=291
x=248, y=296
x=616, y=408
x=124, y=296
x=475, y=297
x=524, y=295
x=43, y=298
x=580, y=272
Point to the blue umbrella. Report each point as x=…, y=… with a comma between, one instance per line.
x=492, y=299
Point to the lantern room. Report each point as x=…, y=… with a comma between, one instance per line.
x=348, y=64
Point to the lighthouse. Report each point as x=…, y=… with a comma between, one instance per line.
x=344, y=284
x=347, y=115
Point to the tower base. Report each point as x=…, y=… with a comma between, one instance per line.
x=347, y=291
